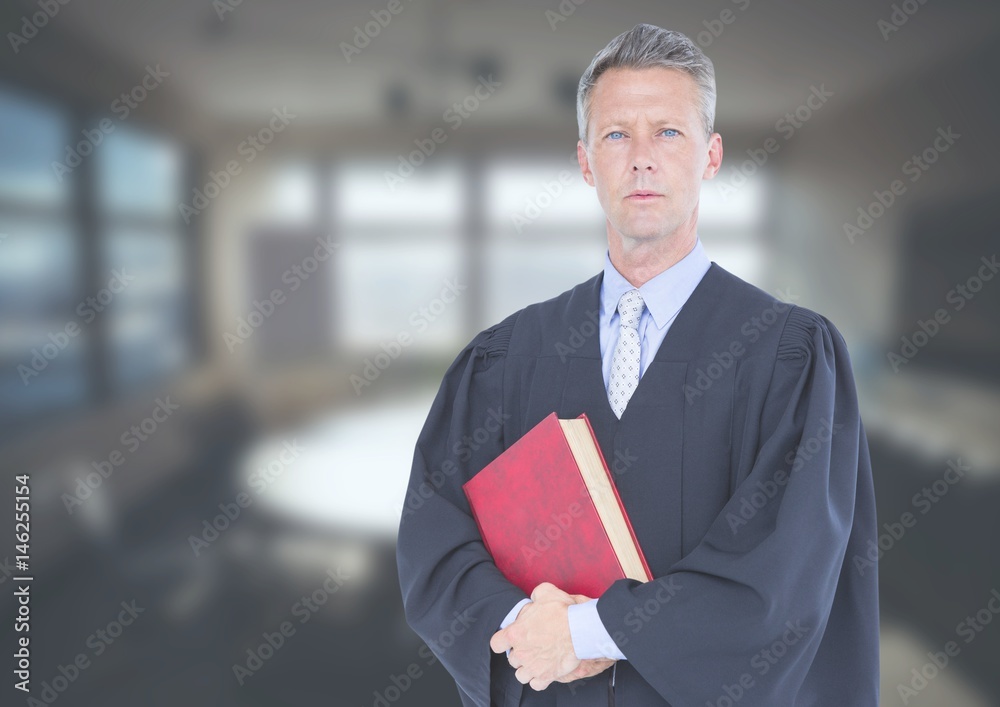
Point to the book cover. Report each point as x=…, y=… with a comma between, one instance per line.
x=545, y=517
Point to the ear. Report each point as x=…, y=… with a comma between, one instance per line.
x=714, y=156
x=581, y=157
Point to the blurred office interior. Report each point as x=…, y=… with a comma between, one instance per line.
x=166, y=168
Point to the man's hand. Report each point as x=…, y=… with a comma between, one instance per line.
x=540, y=641
x=588, y=669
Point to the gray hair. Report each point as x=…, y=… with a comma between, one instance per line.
x=646, y=46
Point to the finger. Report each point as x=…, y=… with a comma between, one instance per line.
x=499, y=642
x=543, y=590
x=538, y=684
x=547, y=591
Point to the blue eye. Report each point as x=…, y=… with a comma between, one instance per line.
x=617, y=134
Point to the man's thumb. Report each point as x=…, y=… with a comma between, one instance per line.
x=542, y=590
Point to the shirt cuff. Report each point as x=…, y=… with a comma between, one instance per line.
x=590, y=638
x=511, y=615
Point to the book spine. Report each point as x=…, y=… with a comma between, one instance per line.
x=614, y=489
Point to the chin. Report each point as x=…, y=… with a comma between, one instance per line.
x=648, y=234
x=644, y=229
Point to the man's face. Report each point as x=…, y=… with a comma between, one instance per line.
x=646, y=134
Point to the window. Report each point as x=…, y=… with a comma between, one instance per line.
x=66, y=234
x=533, y=230
x=41, y=365
x=139, y=184
x=399, y=251
x=545, y=233
x=731, y=227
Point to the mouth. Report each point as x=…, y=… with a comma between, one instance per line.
x=643, y=195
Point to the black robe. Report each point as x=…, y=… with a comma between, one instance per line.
x=743, y=464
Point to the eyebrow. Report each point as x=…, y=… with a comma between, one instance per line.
x=622, y=119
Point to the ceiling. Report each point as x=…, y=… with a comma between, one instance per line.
x=261, y=55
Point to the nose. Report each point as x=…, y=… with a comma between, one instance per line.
x=642, y=156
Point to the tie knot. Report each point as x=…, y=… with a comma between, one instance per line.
x=630, y=308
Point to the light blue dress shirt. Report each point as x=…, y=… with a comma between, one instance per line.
x=664, y=295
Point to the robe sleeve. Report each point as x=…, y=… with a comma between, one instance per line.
x=453, y=594
x=751, y=601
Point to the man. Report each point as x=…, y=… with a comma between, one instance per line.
x=731, y=422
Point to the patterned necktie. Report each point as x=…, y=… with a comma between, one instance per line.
x=625, y=364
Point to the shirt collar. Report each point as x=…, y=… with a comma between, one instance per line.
x=664, y=294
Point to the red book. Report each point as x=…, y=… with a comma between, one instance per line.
x=548, y=511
